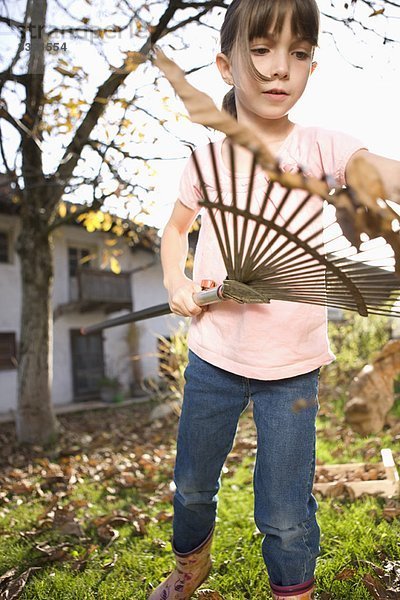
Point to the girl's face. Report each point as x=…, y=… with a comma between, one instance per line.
x=287, y=63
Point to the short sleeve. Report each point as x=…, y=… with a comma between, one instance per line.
x=189, y=187
x=335, y=150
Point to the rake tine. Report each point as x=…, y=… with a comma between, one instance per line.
x=246, y=221
x=226, y=256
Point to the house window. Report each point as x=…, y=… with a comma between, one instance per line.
x=78, y=258
x=4, y=247
x=8, y=359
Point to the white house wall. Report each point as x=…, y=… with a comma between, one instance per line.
x=147, y=290
x=10, y=309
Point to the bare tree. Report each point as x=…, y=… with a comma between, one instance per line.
x=39, y=193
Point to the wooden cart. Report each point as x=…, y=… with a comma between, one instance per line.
x=340, y=478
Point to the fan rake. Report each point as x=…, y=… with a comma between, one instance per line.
x=290, y=248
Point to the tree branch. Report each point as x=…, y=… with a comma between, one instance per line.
x=95, y=143
x=104, y=93
x=12, y=22
x=18, y=124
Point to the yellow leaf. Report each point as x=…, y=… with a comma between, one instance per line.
x=86, y=259
x=62, y=209
x=115, y=266
x=107, y=223
x=64, y=71
x=94, y=220
x=136, y=57
x=118, y=230
x=111, y=242
x=379, y=11
x=55, y=98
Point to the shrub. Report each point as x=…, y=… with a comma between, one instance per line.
x=354, y=342
x=173, y=354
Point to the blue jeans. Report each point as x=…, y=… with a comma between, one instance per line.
x=284, y=507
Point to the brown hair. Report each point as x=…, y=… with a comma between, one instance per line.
x=249, y=19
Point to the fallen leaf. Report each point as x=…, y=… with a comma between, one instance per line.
x=376, y=589
x=346, y=574
x=11, y=589
x=107, y=535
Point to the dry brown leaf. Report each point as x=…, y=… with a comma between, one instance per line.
x=107, y=535
x=391, y=512
x=12, y=588
x=52, y=553
x=364, y=177
x=377, y=589
x=376, y=12
x=345, y=575
x=340, y=490
x=163, y=516
x=8, y=575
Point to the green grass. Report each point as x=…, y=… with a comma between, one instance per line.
x=354, y=534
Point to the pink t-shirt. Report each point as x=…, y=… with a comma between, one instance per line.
x=261, y=341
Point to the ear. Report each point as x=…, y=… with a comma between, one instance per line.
x=314, y=65
x=224, y=67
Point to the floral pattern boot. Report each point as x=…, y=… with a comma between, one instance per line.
x=192, y=568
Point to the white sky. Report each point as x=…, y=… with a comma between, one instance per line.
x=362, y=102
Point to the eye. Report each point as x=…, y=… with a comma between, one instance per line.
x=301, y=54
x=259, y=51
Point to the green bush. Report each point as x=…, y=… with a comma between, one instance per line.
x=354, y=341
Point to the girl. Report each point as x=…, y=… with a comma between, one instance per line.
x=269, y=353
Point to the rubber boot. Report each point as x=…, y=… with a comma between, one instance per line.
x=303, y=591
x=192, y=568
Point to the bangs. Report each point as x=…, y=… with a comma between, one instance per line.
x=270, y=17
x=261, y=16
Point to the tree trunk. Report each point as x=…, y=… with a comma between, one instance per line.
x=36, y=422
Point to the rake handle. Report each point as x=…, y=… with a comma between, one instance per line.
x=209, y=295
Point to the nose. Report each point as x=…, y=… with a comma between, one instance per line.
x=280, y=66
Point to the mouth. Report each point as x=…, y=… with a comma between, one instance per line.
x=276, y=92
